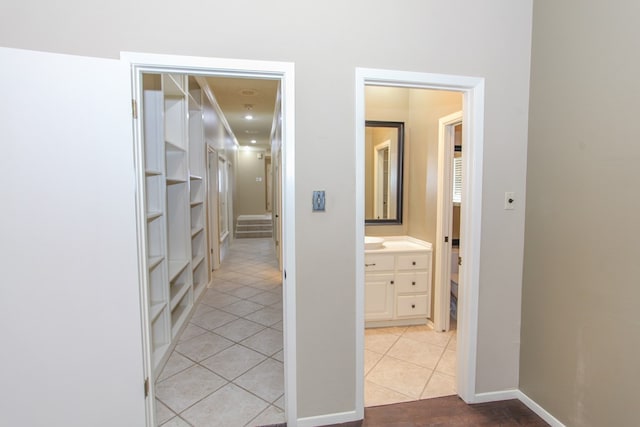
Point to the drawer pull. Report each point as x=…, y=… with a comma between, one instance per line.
x=413, y=283
x=413, y=263
x=413, y=306
x=370, y=265
x=392, y=282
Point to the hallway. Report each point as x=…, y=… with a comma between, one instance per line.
x=227, y=368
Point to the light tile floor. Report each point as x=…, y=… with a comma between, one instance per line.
x=408, y=363
x=227, y=368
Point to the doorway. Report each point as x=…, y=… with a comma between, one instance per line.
x=448, y=231
x=473, y=93
x=284, y=73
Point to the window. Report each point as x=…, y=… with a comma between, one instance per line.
x=457, y=180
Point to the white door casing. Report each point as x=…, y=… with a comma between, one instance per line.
x=442, y=297
x=472, y=89
x=220, y=67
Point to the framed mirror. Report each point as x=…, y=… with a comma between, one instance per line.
x=384, y=148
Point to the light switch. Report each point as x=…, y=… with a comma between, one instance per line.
x=509, y=200
x=318, y=201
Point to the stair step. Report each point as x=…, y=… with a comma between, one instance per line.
x=254, y=221
x=241, y=227
x=252, y=234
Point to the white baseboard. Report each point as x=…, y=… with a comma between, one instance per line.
x=495, y=396
x=323, y=420
x=542, y=413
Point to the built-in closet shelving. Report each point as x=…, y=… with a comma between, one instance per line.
x=197, y=187
x=173, y=138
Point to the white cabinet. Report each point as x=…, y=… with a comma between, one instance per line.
x=398, y=285
x=173, y=142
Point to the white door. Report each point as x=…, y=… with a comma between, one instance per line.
x=69, y=299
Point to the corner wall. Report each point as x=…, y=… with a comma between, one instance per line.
x=580, y=323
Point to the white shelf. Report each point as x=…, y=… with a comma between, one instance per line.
x=196, y=203
x=158, y=354
x=197, y=260
x=156, y=309
x=153, y=215
x=152, y=172
x=154, y=261
x=195, y=177
x=172, y=181
x=179, y=315
x=178, y=293
x=180, y=311
x=196, y=230
x=176, y=267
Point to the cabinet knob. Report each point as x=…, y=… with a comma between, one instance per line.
x=413, y=283
x=413, y=306
x=413, y=263
x=392, y=282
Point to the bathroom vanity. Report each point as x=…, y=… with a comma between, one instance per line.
x=397, y=282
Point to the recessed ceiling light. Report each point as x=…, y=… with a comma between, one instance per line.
x=248, y=117
x=248, y=92
x=253, y=141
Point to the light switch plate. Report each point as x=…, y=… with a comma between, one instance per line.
x=509, y=200
x=318, y=201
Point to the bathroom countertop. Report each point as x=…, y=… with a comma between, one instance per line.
x=401, y=244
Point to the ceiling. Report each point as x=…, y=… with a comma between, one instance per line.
x=238, y=97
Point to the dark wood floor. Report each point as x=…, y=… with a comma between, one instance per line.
x=451, y=411
x=448, y=411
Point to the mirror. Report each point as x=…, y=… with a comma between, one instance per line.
x=384, y=143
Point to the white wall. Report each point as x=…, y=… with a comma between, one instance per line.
x=251, y=188
x=326, y=41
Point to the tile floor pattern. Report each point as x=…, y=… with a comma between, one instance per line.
x=227, y=368
x=402, y=364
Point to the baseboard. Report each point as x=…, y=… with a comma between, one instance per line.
x=542, y=413
x=495, y=396
x=323, y=420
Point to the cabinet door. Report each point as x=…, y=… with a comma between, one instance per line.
x=70, y=294
x=378, y=299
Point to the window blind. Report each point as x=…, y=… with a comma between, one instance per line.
x=457, y=180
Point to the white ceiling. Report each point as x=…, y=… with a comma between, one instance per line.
x=238, y=97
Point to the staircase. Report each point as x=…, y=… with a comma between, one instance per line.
x=251, y=226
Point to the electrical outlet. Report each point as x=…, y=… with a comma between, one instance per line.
x=318, y=201
x=509, y=200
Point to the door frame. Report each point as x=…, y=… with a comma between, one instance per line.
x=213, y=209
x=223, y=67
x=472, y=89
x=442, y=294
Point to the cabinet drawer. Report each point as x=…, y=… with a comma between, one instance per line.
x=378, y=262
x=412, y=305
x=412, y=282
x=414, y=262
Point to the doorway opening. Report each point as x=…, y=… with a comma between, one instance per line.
x=449, y=208
x=472, y=90
x=177, y=159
